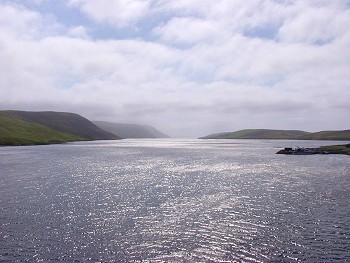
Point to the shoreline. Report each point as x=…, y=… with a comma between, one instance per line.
x=331, y=149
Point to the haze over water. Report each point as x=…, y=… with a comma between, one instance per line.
x=173, y=200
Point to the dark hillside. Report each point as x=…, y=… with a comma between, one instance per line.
x=65, y=122
x=14, y=131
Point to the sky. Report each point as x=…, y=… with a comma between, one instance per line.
x=187, y=67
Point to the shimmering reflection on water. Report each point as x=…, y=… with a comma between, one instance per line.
x=173, y=201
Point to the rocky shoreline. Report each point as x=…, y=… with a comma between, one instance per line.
x=333, y=149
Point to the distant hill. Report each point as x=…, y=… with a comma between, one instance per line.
x=125, y=130
x=329, y=135
x=258, y=134
x=281, y=134
x=26, y=128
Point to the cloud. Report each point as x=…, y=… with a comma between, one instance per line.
x=188, y=30
x=316, y=23
x=117, y=13
x=17, y=20
x=78, y=31
x=197, y=68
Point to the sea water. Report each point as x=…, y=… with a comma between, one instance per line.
x=173, y=201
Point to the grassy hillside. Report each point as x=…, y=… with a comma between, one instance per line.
x=27, y=128
x=282, y=134
x=125, y=130
x=328, y=135
x=258, y=134
x=14, y=131
x=65, y=122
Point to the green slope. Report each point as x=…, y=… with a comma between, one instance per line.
x=282, y=134
x=258, y=134
x=328, y=135
x=14, y=131
x=25, y=128
x=65, y=122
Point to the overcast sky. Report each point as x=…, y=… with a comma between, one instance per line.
x=187, y=67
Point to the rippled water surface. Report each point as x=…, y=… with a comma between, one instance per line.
x=173, y=201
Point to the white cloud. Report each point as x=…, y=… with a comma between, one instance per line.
x=78, y=31
x=190, y=30
x=114, y=12
x=315, y=23
x=201, y=72
x=234, y=16
x=17, y=20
